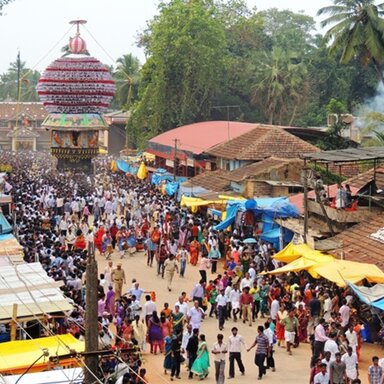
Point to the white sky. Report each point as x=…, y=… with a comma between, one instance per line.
x=36, y=27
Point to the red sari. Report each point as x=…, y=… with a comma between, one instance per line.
x=99, y=239
x=194, y=248
x=80, y=242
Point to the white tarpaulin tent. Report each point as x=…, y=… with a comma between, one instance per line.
x=34, y=292
x=57, y=376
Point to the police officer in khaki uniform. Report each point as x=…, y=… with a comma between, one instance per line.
x=118, y=278
x=170, y=266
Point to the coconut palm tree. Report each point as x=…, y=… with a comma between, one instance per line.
x=357, y=29
x=280, y=79
x=127, y=79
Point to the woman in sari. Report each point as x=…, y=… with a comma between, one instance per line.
x=280, y=329
x=194, y=249
x=99, y=238
x=177, y=321
x=168, y=360
x=302, y=317
x=155, y=333
x=201, y=364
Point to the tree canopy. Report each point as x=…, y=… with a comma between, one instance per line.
x=204, y=55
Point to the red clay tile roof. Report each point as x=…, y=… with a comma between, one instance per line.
x=262, y=142
x=9, y=110
x=211, y=180
x=259, y=168
x=198, y=137
x=358, y=246
x=364, y=178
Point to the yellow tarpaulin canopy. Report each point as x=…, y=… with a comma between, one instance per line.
x=340, y=271
x=191, y=202
x=317, y=264
x=142, y=171
x=228, y=197
x=19, y=355
x=294, y=251
x=305, y=263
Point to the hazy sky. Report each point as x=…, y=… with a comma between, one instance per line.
x=37, y=27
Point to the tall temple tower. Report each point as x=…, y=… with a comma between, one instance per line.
x=75, y=90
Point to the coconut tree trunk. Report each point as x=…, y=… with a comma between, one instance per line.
x=378, y=70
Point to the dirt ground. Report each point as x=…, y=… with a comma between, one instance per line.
x=289, y=369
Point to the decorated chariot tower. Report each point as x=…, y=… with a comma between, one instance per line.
x=76, y=89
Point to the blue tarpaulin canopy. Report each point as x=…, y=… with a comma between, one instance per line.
x=274, y=207
x=373, y=296
x=269, y=208
x=4, y=225
x=126, y=167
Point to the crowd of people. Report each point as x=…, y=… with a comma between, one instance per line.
x=57, y=217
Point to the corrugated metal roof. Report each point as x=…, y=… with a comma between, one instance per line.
x=34, y=292
x=345, y=155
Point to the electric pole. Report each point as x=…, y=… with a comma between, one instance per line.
x=91, y=323
x=227, y=107
x=175, y=160
x=18, y=62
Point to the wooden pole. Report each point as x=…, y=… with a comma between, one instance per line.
x=305, y=185
x=14, y=322
x=91, y=323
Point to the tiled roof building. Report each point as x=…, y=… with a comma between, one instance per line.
x=260, y=143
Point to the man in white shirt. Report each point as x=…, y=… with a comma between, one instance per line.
x=275, y=306
x=345, y=312
x=246, y=282
x=252, y=271
x=186, y=335
x=327, y=307
x=331, y=346
x=195, y=315
x=183, y=306
x=221, y=305
x=352, y=338
x=322, y=377
x=235, y=341
x=351, y=364
x=320, y=339
x=219, y=350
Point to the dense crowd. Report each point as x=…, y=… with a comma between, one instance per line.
x=59, y=215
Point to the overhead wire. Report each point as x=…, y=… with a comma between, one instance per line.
x=24, y=76
x=49, y=330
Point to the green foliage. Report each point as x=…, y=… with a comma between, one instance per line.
x=328, y=177
x=220, y=52
x=28, y=82
x=357, y=29
x=187, y=47
x=333, y=138
x=127, y=80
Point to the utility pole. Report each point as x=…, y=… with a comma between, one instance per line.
x=91, y=324
x=18, y=62
x=305, y=185
x=175, y=160
x=227, y=107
